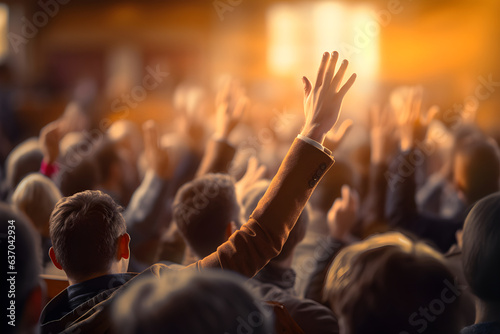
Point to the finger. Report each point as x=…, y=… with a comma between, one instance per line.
x=224, y=91
x=345, y=127
x=330, y=71
x=259, y=173
x=336, y=207
x=342, y=130
x=252, y=164
x=345, y=88
x=307, y=87
x=416, y=103
x=337, y=79
x=321, y=70
x=346, y=194
x=431, y=114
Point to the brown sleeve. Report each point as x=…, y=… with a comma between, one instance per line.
x=217, y=158
x=262, y=237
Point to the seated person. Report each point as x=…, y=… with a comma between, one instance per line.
x=29, y=293
x=186, y=302
x=24, y=159
x=481, y=251
x=390, y=284
x=36, y=197
x=91, y=245
x=276, y=281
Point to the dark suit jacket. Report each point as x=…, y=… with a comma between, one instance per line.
x=401, y=207
x=247, y=251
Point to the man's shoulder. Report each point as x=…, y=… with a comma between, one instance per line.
x=59, y=315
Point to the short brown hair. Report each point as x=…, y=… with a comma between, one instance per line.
x=383, y=284
x=203, y=209
x=84, y=229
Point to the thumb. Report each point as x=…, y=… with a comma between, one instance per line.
x=307, y=86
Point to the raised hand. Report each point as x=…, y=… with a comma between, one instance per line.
x=343, y=214
x=322, y=102
x=156, y=156
x=382, y=128
x=335, y=138
x=413, y=122
x=253, y=174
x=49, y=138
x=231, y=103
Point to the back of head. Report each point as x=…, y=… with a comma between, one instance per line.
x=250, y=201
x=84, y=229
x=24, y=159
x=36, y=196
x=186, y=302
x=390, y=284
x=477, y=168
x=18, y=237
x=203, y=210
x=481, y=248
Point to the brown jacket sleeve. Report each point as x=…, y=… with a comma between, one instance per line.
x=262, y=237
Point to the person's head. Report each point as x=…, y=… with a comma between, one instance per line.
x=249, y=202
x=36, y=196
x=89, y=236
x=185, y=302
x=390, y=284
x=476, y=168
x=481, y=249
x=24, y=287
x=204, y=210
x=24, y=159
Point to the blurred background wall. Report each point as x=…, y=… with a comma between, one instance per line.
x=54, y=49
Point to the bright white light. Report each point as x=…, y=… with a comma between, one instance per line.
x=301, y=32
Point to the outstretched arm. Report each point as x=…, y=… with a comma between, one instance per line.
x=263, y=236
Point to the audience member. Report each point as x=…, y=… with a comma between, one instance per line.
x=481, y=250
x=23, y=292
x=390, y=284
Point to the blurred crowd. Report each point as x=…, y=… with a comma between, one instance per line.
x=183, y=229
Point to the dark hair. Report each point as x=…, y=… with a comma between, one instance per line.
x=186, y=302
x=26, y=247
x=481, y=167
x=84, y=229
x=381, y=285
x=203, y=209
x=481, y=248
x=297, y=234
